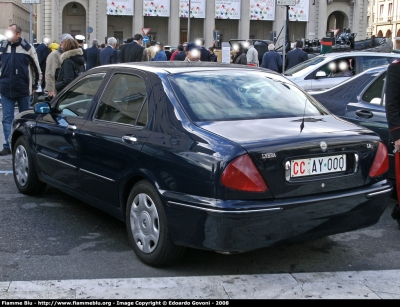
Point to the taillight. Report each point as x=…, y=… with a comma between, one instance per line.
x=381, y=162
x=241, y=174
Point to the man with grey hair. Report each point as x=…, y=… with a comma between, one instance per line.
x=92, y=55
x=271, y=59
x=53, y=65
x=109, y=55
x=252, y=53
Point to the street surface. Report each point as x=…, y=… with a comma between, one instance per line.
x=56, y=237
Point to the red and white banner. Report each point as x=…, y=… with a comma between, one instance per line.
x=197, y=10
x=157, y=8
x=262, y=9
x=300, y=11
x=227, y=9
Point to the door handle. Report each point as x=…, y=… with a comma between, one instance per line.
x=364, y=113
x=129, y=139
x=71, y=127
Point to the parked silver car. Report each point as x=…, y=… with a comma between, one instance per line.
x=327, y=70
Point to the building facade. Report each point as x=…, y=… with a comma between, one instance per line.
x=12, y=11
x=383, y=20
x=93, y=20
x=309, y=19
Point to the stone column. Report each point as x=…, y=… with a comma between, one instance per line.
x=97, y=19
x=244, y=21
x=209, y=23
x=174, y=24
x=138, y=19
x=360, y=9
x=278, y=24
x=311, y=28
x=322, y=18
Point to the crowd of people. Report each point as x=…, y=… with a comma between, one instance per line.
x=53, y=65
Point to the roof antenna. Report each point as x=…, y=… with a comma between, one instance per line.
x=304, y=113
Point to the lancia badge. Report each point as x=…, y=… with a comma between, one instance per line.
x=323, y=146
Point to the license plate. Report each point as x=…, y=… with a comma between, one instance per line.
x=317, y=166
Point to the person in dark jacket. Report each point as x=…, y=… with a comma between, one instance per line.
x=295, y=56
x=81, y=39
x=43, y=52
x=239, y=57
x=180, y=55
x=271, y=59
x=213, y=56
x=73, y=63
x=92, y=55
x=168, y=52
x=204, y=53
x=109, y=54
x=132, y=52
x=19, y=78
x=392, y=106
x=192, y=52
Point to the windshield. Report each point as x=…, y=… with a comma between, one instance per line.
x=310, y=62
x=240, y=95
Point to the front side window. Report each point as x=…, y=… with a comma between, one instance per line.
x=344, y=67
x=234, y=95
x=310, y=62
x=124, y=101
x=76, y=101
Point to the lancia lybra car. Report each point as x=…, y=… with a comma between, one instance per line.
x=327, y=70
x=221, y=157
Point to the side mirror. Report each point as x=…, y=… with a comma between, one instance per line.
x=376, y=101
x=320, y=74
x=42, y=108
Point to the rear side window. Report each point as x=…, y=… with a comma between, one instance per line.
x=124, y=101
x=375, y=90
x=374, y=61
x=235, y=95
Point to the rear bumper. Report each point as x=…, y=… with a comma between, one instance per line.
x=234, y=226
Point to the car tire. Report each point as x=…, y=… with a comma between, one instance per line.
x=147, y=227
x=25, y=175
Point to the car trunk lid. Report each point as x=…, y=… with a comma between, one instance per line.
x=327, y=155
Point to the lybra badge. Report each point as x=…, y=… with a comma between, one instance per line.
x=268, y=155
x=323, y=146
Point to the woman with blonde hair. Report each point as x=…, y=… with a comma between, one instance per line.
x=73, y=63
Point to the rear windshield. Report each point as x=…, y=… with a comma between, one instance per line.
x=240, y=95
x=305, y=64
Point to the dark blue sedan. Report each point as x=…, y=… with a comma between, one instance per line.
x=228, y=158
x=361, y=100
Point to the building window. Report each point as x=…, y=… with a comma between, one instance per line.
x=381, y=10
x=390, y=10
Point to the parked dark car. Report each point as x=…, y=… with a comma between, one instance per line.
x=228, y=158
x=361, y=101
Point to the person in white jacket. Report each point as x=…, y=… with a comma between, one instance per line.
x=252, y=54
